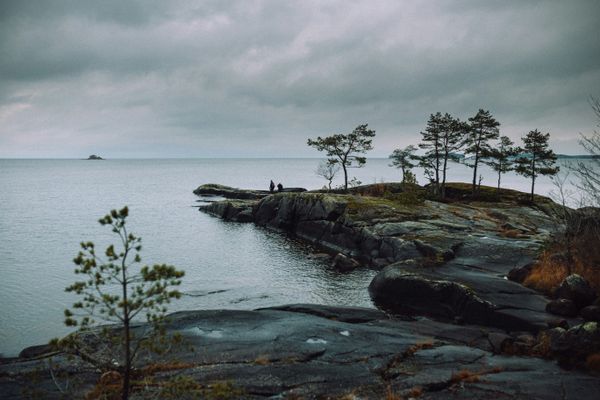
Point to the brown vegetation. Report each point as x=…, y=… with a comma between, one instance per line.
x=472, y=377
x=592, y=363
x=551, y=268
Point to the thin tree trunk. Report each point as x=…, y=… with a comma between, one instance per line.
x=474, y=188
x=345, y=176
x=532, y=175
x=125, y=389
x=444, y=176
x=499, y=176
x=437, y=174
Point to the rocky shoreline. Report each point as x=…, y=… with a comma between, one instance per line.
x=461, y=253
x=454, y=320
x=319, y=352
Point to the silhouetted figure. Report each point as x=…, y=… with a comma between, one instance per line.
x=271, y=186
x=279, y=187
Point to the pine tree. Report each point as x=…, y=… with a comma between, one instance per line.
x=539, y=159
x=403, y=159
x=431, y=141
x=453, y=137
x=442, y=137
x=345, y=149
x=116, y=289
x=483, y=129
x=500, y=158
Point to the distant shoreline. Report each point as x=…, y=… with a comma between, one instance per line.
x=559, y=156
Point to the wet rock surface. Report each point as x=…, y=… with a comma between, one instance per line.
x=309, y=351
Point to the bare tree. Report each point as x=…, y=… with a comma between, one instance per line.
x=588, y=171
x=567, y=219
x=328, y=170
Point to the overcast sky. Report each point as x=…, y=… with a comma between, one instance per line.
x=257, y=78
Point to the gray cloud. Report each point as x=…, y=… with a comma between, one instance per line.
x=256, y=78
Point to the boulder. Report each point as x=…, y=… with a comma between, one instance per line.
x=212, y=189
x=499, y=341
x=591, y=313
x=344, y=263
x=36, y=351
x=558, y=323
x=572, y=347
x=574, y=287
x=519, y=274
x=402, y=292
x=562, y=307
x=230, y=210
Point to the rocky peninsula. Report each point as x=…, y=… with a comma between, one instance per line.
x=454, y=321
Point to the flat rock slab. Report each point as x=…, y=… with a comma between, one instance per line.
x=309, y=351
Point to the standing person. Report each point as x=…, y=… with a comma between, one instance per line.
x=271, y=186
x=279, y=187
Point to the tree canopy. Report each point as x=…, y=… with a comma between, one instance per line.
x=117, y=289
x=500, y=158
x=443, y=136
x=346, y=149
x=482, y=129
x=539, y=158
x=404, y=159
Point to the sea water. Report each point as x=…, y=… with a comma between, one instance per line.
x=47, y=207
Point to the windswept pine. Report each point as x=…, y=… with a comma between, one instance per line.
x=483, y=128
x=501, y=157
x=404, y=159
x=441, y=138
x=538, y=160
x=346, y=149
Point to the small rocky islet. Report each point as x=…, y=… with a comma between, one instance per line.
x=453, y=319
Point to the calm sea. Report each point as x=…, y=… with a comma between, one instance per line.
x=48, y=206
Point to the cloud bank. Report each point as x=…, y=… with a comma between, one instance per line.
x=257, y=78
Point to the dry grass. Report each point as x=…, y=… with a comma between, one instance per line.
x=546, y=275
x=105, y=391
x=154, y=368
x=465, y=376
x=415, y=392
x=550, y=271
x=471, y=376
x=390, y=395
x=592, y=362
x=543, y=346
x=424, y=345
x=511, y=233
x=262, y=360
x=375, y=190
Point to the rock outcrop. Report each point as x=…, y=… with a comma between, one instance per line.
x=474, y=245
x=309, y=352
x=227, y=192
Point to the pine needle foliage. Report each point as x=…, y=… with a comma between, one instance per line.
x=539, y=158
x=483, y=129
x=346, y=149
x=116, y=289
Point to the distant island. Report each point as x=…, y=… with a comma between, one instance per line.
x=95, y=157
